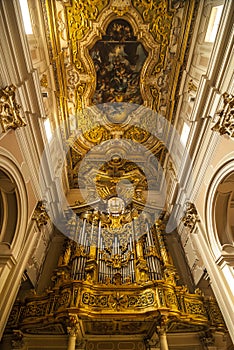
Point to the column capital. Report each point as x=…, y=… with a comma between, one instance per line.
x=162, y=328
x=74, y=328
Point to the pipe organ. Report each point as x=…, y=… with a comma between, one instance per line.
x=111, y=247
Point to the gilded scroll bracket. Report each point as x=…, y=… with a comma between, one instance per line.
x=190, y=217
x=9, y=109
x=40, y=215
x=225, y=123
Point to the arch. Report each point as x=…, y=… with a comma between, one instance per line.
x=219, y=213
x=18, y=202
x=8, y=208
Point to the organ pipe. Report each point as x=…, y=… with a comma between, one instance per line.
x=103, y=254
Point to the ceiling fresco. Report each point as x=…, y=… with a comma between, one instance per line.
x=107, y=56
x=118, y=59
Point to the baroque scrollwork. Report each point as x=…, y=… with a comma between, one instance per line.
x=119, y=300
x=160, y=20
x=40, y=215
x=195, y=307
x=117, y=260
x=190, y=217
x=9, y=109
x=80, y=17
x=225, y=123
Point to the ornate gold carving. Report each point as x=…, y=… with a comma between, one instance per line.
x=35, y=309
x=63, y=300
x=137, y=134
x=225, y=124
x=95, y=300
x=144, y=300
x=152, y=251
x=64, y=259
x=159, y=17
x=73, y=328
x=191, y=86
x=195, y=307
x=60, y=277
x=214, y=313
x=117, y=260
x=80, y=251
x=191, y=217
x=80, y=17
x=142, y=270
x=97, y=134
x=80, y=105
x=160, y=228
x=40, y=215
x=88, y=299
x=120, y=8
x=44, y=81
x=9, y=109
x=118, y=301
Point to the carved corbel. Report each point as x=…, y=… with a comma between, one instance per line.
x=190, y=217
x=9, y=109
x=40, y=215
x=225, y=123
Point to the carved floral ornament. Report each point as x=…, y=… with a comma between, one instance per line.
x=9, y=109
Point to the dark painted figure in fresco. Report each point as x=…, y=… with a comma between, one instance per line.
x=118, y=59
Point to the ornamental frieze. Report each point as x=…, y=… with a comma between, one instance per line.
x=118, y=300
x=55, y=307
x=35, y=309
x=195, y=307
x=62, y=301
